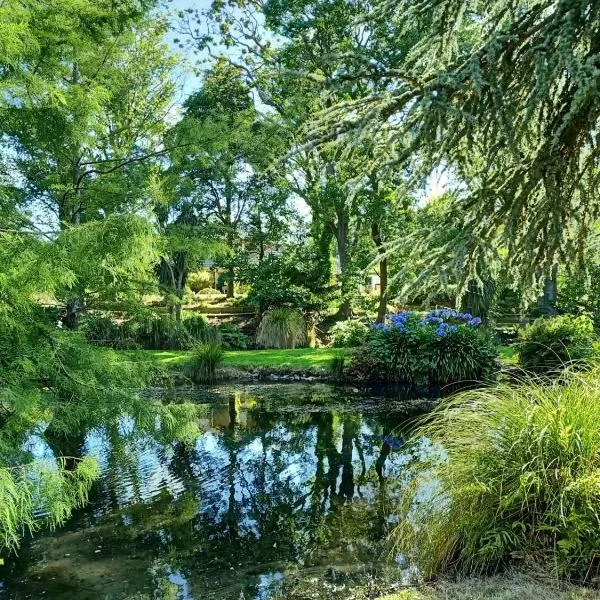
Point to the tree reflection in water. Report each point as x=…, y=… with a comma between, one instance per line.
x=277, y=486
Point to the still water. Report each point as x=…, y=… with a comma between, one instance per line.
x=289, y=492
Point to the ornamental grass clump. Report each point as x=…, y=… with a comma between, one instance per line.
x=281, y=328
x=442, y=347
x=511, y=477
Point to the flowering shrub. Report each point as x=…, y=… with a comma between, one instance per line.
x=442, y=347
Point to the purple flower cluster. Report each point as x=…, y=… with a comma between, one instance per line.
x=445, y=320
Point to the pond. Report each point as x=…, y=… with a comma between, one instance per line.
x=289, y=492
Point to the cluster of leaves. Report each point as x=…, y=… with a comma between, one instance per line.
x=549, y=344
x=348, y=334
x=513, y=476
x=150, y=331
x=440, y=348
x=300, y=278
x=232, y=338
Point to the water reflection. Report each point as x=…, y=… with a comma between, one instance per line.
x=277, y=489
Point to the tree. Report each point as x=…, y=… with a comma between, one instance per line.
x=80, y=158
x=313, y=40
x=506, y=94
x=227, y=147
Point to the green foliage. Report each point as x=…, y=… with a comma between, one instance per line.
x=550, y=343
x=510, y=475
x=418, y=355
x=102, y=330
x=232, y=338
x=299, y=277
x=199, y=280
x=337, y=368
x=41, y=487
x=202, y=366
x=281, y=328
x=348, y=334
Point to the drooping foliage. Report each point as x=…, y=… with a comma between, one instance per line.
x=505, y=95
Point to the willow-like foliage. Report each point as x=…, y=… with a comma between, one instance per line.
x=505, y=92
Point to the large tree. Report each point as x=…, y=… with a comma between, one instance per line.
x=504, y=93
x=77, y=145
x=225, y=150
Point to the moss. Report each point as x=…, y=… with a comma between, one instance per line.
x=514, y=587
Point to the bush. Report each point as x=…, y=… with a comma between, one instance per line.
x=441, y=348
x=281, y=328
x=232, y=338
x=199, y=280
x=103, y=331
x=508, y=475
x=348, y=334
x=549, y=343
x=202, y=366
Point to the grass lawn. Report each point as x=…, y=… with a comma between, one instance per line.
x=301, y=358
x=509, y=355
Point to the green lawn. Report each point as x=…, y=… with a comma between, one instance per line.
x=509, y=355
x=301, y=358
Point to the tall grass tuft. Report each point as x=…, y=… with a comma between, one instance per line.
x=282, y=328
x=512, y=476
x=202, y=366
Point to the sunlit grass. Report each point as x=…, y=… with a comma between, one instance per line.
x=515, y=479
x=301, y=358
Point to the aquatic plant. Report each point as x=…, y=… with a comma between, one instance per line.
x=202, y=366
x=515, y=478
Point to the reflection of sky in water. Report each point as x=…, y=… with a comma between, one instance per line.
x=263, y=492
x=225, y=467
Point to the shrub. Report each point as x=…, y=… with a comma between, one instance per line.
x=348, y=334
x=199, y=280
x=202, y=366
x=197, y=326
x=337, y=368
x=508, y=475
x=103, y=331
x=160, y=332
x=441, y=348
x=281, y=328
x=549, y=343
x=232, y=338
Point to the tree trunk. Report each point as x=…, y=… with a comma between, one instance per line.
x=73, y=309
x=341, y=236
x=69, y=213
x=547, y=301
x=383, y=272
x=231, y=283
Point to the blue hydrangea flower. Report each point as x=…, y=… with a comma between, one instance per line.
x=444, y=329
x=474, y=322
x=430, y=319
x=380, y=327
